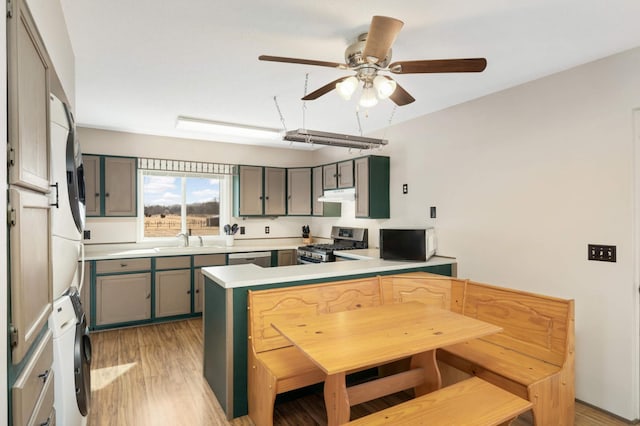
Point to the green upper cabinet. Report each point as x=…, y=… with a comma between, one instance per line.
x=372, y=187
x=259, y=191
x=338, y=175
x=110, y=185
x=299, y=191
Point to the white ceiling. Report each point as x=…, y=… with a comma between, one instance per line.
x=140, y=64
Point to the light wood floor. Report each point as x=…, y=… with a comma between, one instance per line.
x=152, y=375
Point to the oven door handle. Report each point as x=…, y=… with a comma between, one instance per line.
x=306, y=262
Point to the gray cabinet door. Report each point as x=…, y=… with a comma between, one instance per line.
x=91, y=164
x=198, y=278
x=330, y=176
x=275, y=191
x=119, y=186
x=30, y=268
x=316, y=191
x=28, y=73
x=362, y=186
x=287, y=257
x=250, y=191
x=173, y=292
x=123, y=298
x=345, y=174
x=299, y=191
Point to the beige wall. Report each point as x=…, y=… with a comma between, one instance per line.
x=523, y=180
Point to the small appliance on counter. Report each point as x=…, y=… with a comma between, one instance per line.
x=344, y=238
x=417, y=244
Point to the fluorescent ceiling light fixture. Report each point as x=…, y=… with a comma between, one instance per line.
x=333, y=139
x=224, y=128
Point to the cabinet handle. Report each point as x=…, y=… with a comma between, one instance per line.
x=123, y=265
x=266, y=198
x=44, y=376
x=188, y=291
x=148, y=296
x=106, y=195
x=97, y=194
x=197, y=290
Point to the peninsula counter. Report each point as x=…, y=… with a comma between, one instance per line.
x=225, y=312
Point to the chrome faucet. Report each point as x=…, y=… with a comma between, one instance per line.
x=185, y=238
x=201, y=242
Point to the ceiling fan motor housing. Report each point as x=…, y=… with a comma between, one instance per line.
x=353, y=54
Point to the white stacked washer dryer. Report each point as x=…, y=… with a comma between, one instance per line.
x=71, y=343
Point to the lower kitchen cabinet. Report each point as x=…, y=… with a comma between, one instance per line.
x=173, y=293
x=123, y=298
x=287, y=257
x=198, y=279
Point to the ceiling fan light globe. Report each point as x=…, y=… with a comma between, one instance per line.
x=384, y=86
x=368, y=98
x=347, y=88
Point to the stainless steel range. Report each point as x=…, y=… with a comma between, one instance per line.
x=344, y=238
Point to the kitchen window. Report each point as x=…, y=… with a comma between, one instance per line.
x=173, y=202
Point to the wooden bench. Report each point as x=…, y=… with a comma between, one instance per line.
x=274, y=365
x=533, y=357
x=469, y=402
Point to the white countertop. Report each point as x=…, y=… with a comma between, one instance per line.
x=358, y=254
x=119, y=251
x=234, y=276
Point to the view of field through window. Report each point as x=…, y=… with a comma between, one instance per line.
x=174, y=204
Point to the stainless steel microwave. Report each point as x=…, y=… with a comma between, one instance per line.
x=417, y=244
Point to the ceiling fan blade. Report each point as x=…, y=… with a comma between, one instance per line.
x=400, y=96
x=324, y=89
x=302, y=61
x=382, y=33
x=439, y=65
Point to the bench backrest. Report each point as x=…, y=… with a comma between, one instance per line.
x=430, y=289
x=536, y=325
x=291, y=303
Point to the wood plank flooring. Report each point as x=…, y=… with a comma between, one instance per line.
x=152, y=375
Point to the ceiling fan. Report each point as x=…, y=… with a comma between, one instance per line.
x=370, y=56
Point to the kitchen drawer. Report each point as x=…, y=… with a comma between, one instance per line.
x=209, y=260
x=44, y=413
x=180, y=262
x=122, y=265
x=28, y=388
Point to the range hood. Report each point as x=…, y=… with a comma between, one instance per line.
x=338, y=195
x=333, y=139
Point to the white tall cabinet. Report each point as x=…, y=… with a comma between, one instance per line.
x=29, y=223
x=29, y=73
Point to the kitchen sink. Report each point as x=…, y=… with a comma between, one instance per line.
x=187, y=250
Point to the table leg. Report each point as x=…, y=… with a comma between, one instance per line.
x=336, y=399
x=432, y=379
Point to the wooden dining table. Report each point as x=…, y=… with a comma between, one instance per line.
x=343, y=342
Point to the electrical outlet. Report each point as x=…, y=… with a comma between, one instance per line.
x=432, y=212
x=266, y=229
x=601, y=253
x=242, y=230
x=87, y=234
x=405, y=188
